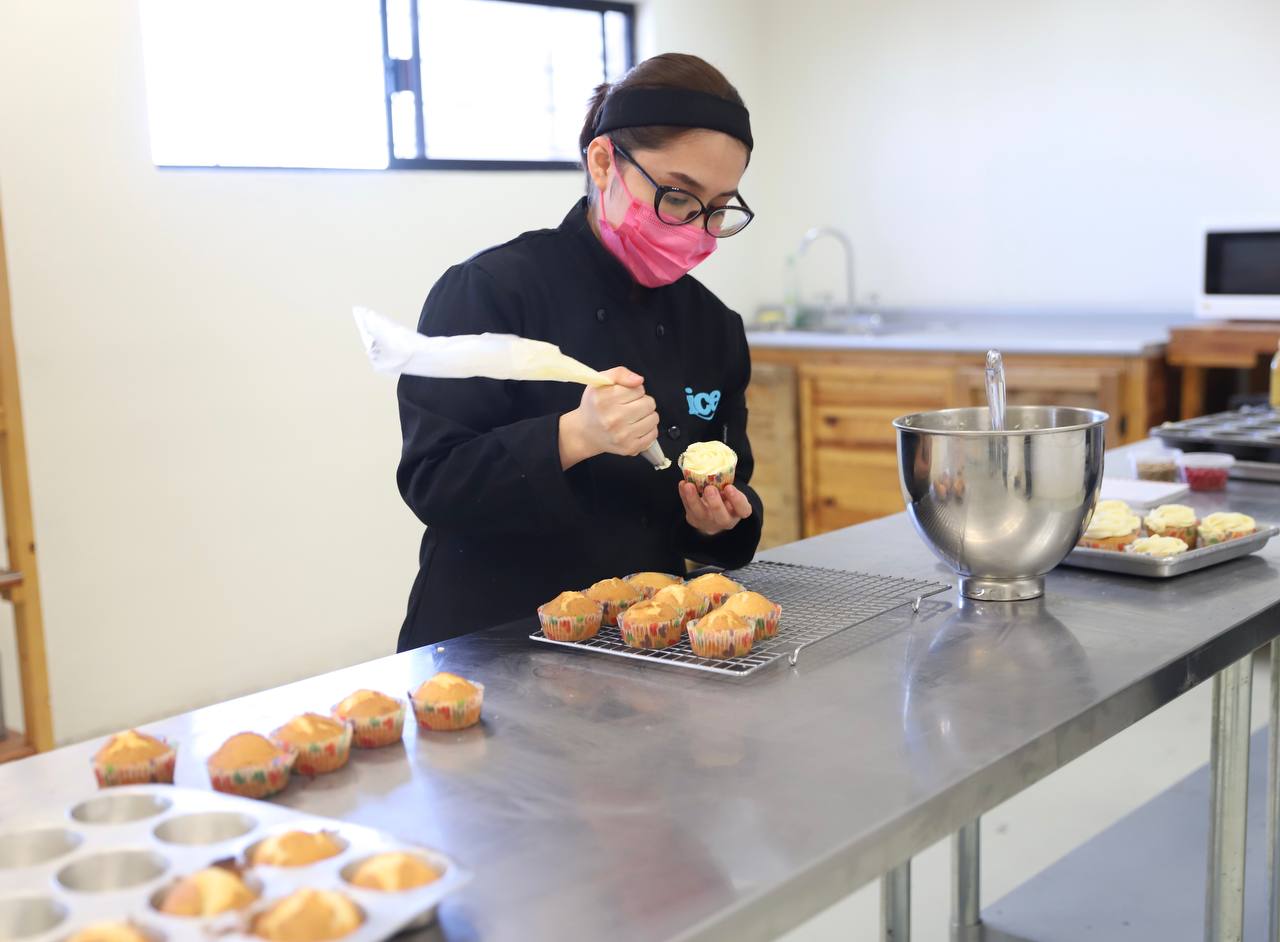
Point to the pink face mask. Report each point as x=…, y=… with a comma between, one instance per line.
x=654, y=253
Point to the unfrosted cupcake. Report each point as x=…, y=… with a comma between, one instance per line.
x=393, y=872
x=111, y=932
x=721, y=634
x=447, y=702
x=296, y=849
x=1113, y=526
x=653, y=624
x=206, y=893
x=571, y=616
x=1158, y=546
x=1176, y=520
x=686, y=598
x=309, y=916
x=1221, y=527
x=250, y=766
x=134, y=758
x=710, y=464
x=762, y=614
x=376, y=719
x=649, y=583
x=322, y=743
x=716, y=587
x=615, y=595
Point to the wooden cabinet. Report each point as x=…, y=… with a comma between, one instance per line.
x=773, y=427
x=846, y=402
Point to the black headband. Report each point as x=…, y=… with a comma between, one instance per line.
x=673, y=107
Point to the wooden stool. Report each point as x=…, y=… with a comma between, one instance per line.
x=1231, y=344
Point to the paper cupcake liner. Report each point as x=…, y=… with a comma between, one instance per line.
x=157, y=770
x=694, y=612
x=653, y=635
x=454, y=715
x=1214, y=540
x=372, y=732
x=570, y=627
x=320, y=757
x=766, y=626
x=721, y=642
x=649, y=591
x=1185, y=534
x=613, y=609
x=1111, y=542
x=260, y=781
x=717, y=479
x=719, y=598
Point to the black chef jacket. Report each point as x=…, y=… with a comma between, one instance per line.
x=507, y=527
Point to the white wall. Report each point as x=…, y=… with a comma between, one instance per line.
x=1051, y=154
x=212, y=460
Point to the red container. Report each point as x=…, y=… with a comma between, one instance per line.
x=1206, y=470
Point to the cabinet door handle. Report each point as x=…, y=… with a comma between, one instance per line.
x=831, y=420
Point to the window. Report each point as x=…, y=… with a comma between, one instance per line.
x=376, y=84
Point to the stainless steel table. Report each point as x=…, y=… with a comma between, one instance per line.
x=606, y=799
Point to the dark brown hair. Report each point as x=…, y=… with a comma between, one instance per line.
x=669, y=70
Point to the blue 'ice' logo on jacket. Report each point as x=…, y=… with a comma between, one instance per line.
x=703, y=404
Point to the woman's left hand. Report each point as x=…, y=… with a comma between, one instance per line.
x=714, y=511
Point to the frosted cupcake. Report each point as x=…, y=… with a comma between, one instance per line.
x=762, y=614
x=134, y=758
x=615, y=595
x=649, y=583
x=571, y=616
x=376, y=719
x=653, y=624
x=1176, y=520
x=1113, y=526
x=250, y=766
x=322, y=743
x=1159, y=546
x=721, y=634
x=706, y=464
x=1220, y=527
x=447, y=702
x=716, y=587
x=686, y=598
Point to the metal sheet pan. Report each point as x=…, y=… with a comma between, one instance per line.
x=1136, y=564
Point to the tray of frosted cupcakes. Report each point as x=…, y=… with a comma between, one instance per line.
x=710, y=616
x=1171, y=540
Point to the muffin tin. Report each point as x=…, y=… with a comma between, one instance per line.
x=1166, y=567
x=1251, y=435
x=110, y=856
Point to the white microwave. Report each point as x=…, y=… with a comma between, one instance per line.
x=1240, y=273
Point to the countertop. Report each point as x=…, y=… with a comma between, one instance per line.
x=606, y=799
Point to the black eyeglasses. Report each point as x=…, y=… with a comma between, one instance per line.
x=677, y=207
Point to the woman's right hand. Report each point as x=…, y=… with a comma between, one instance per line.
x=614, y=420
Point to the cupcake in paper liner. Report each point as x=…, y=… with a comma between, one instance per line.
x=721, y=634
x=571, y=616
x=762, y=614
x=1221, y=527
x=706, y=464
x=715, y=586
x=650, y=583
x=376, y=720
x=1161, y=547
x=447, y=702
x=1112, y=526
x=653, y=624
x=322, y=743
x=692, y=603
x=1175, y=520
x=616, y=595
x=134, y=758
x=250, y=766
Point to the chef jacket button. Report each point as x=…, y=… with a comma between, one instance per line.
x=660, y=330
x=600, y=315
x=674, y=432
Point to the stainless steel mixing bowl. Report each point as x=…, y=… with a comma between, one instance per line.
x=1001, y=508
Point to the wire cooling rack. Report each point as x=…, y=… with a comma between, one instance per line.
x=816, y=604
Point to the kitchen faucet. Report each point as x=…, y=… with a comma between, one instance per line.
x=812, y=236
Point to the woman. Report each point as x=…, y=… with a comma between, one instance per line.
x=528, y=489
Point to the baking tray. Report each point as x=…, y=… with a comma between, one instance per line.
x=108, y=856
x=1136, y=564
x=816, y=603
x=1250, y=434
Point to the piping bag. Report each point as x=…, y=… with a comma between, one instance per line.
x=394, y=348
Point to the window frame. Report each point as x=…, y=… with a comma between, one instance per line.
x=406, y=75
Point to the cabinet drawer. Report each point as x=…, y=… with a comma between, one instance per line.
x=856, y=426
x=895, y=389
x=851, y=486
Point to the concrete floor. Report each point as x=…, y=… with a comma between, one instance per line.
x=1034, y=829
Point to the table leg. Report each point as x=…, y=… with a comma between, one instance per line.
x=966, y=884
x=1228, y=800
x=895, y=904
x=1273, y=795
